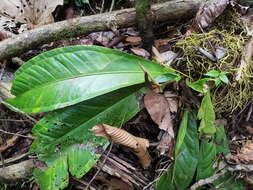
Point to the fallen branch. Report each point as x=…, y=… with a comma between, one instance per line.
x=17, y=172
x=169, y=11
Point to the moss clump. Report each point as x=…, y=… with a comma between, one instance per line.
x=230, y=34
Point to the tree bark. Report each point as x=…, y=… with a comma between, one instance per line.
x=169, y=11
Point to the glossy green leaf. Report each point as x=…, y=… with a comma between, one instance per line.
x=213, y=73
x=207, y=115
x=55, y=177
x=224, y=79
x=180, y=175
x=69, y=75
x=198, y=85
x=71, y=125
x=64, y=135
x=207, y=158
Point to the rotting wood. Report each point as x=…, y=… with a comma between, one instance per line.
x=169, y=11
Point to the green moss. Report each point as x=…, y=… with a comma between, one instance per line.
x=227, y=32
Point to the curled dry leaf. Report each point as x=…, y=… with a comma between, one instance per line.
x=29, y=12
x=120, y=136
x=159, y=110
x=208, y=12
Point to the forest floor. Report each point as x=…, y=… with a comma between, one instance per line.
x=194, y=47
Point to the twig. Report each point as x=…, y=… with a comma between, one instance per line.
x=112, y=5
x=208, y=180
x=249, y=112
x=16, y=134
x=100, y=168
x=168, y=11
x=157, y=178
x=15, y=120
x=10, y=160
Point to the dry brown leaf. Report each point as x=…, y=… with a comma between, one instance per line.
x=133, y=39
x=172, y=99
x=245, y=155
x=36, y=12
x=156, y=105
x=141, y=52
x=208, y=12
x=249, y=129
x=120, y=136
x=159, y=109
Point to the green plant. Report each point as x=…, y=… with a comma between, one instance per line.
x=82, y=86
x=217, y=76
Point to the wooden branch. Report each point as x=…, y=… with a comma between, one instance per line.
x=17, y=172
x=169, y=11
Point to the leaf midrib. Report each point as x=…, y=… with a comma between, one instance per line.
x=82, y=75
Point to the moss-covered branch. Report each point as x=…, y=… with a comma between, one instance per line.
x=169, y=11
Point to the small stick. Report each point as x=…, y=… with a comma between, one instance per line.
x=16, y=134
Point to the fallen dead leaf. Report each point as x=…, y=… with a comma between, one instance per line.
x=134, y=40
x=156, y=105
x=120, y=136
x=159, y=109
x=208, y=12
x=29, y=12
x=245, y=155
x=141, y=52
x=172, y=99
x=249, y=129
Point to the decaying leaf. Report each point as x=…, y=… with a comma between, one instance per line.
x=159, y=109
x=245, y=155
x=29, y=12
x=141, y=52
x=171, y=98
x=208, y=12
x=120, y=136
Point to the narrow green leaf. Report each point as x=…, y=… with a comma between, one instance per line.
x=207, y=158
x=213, y=73
x=224, y=79
x=180, y=175
x=55, y=177
x=221, y=141
x=69, y=75
x=207, y=116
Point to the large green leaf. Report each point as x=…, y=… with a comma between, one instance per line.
x=55, y=177
x=71, y=125
x=180, y=175
x=207, y=158
x=69, y=75
x=63, y=136
x=207, y=115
